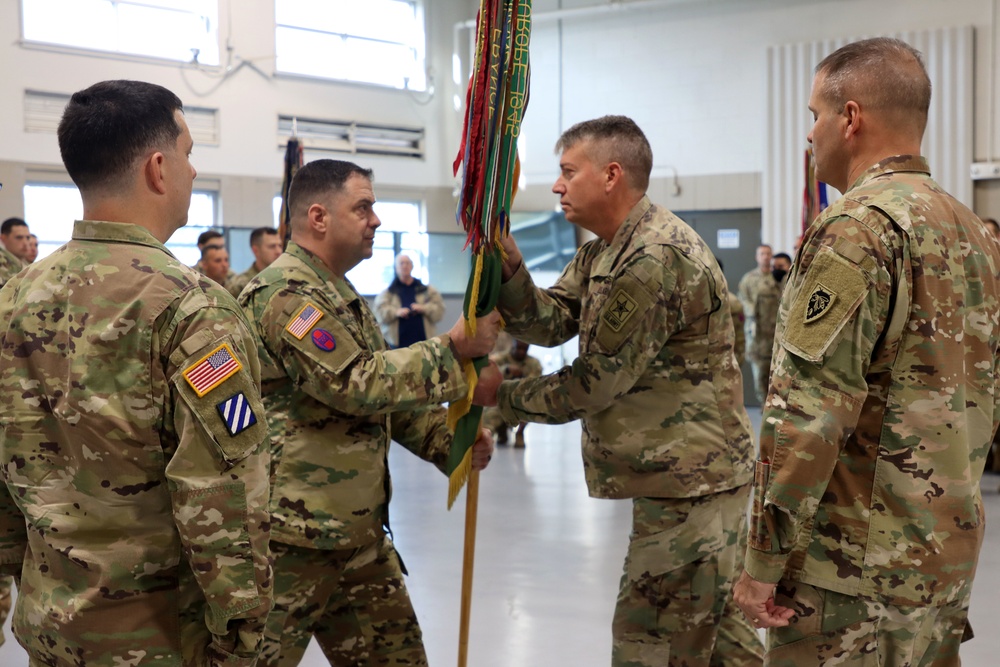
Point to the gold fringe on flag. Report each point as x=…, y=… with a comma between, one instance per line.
x=459, y=477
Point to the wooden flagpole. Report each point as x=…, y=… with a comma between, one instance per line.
x=468, y=560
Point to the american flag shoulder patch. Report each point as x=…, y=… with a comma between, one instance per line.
x=306, y=318
x=212, y=370
x=236, y=413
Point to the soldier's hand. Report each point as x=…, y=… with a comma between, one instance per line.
x=486, y=389
x=756, y=599
x=514, y=258
x=482, y=449
x=487, y=329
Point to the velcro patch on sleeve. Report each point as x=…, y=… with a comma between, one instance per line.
x=624, y=310
x=303, y=321
x=830, y=294
x=212, y=370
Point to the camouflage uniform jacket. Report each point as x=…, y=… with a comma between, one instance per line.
x=739, y=321
x=140, y=501
x=335, y=397
x=10, y=265
x=883, y=397
x=750, y=285
x=656, y=383
x=235, y=284
x=764, y=318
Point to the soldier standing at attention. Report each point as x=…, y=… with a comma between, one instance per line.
x=132, y=440
x=336, y=395
x=751, y=285
x=265, y=244
x=867, y=518
x=657, y=387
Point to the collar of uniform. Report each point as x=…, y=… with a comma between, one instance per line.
x=322, y=271
x=624, y=233
x=891, y=165
x=116, y=232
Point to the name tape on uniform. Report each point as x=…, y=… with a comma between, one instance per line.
x=212, y=370
x=306, y=318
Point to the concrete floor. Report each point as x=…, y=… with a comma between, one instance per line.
x=548, y=560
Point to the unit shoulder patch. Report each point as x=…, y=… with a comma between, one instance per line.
x=212, y=370
x=619, y=309
x=236, y=413
x=324, y=340
x=820, y=302
x=304, y=320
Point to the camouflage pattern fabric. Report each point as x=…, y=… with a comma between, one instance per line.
x=335, y=397
x=883, y=397
x=836, y=629
x=675, y=607
x=760, y=294
x=739, y=321
x=10, y=266
x=387, y=304
x=656, y=383
x=236, y=283
x=750, y=286
x=660, y=396
x=510, y=368
x=5, y=601
x=143, y=523
x=353, y=601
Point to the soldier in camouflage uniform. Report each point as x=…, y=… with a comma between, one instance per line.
x=266, y=247
x=134, y=508
x=883, y=401
x=659, y=393
x=758, y=291
x=335, y=396
x=514, y=363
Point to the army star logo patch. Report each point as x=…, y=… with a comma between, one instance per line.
x=820, y=301
x=619, y=309
x=212, y=370
x=236, y=414
x=300, y=325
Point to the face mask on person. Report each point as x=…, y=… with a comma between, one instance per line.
x=779, y=274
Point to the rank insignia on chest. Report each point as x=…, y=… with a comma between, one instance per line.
x=237, y=414
x=300, y=325
x=619, y=309
x=212, y=370
x=820, y=301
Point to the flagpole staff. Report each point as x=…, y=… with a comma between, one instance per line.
x=468, y=561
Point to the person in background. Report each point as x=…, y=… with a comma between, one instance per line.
x=14, y=237
x=867, y=515
x=215, y=262
x=335, y=398
x=514, y=363
x=659, y=393
x=739, y=321
x=408, y=309
x=32, y=249
x=212, y=237
x=265, y=244
x=133, y=442
x=751, y=285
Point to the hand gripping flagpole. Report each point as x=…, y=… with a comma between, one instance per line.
x=496, y=99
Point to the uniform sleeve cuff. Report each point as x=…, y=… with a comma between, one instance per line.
x=765, y=567
x=503, y=402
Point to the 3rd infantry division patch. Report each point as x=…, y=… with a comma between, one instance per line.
x=820, y=301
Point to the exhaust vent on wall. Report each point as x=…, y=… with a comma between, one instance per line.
x=352, y=137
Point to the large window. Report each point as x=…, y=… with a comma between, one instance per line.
x=372, y=41
x=51, y=208
x=183, y=30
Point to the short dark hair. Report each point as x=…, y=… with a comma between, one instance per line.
x=205, y=237
x=782, y=255
x=319, y=177
x=10, y=223
x=211, y=246
x=257, y=235
x=883, y=73
x=108, y=126
x=614, y=139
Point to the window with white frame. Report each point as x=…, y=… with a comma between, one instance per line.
x=182, y=30
x=51, y=208
x=374, y=41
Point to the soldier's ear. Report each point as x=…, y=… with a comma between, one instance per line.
x=613, y=175
x=152, y=171
x=318, y=218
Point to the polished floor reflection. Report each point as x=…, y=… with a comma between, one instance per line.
x=548, y=559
